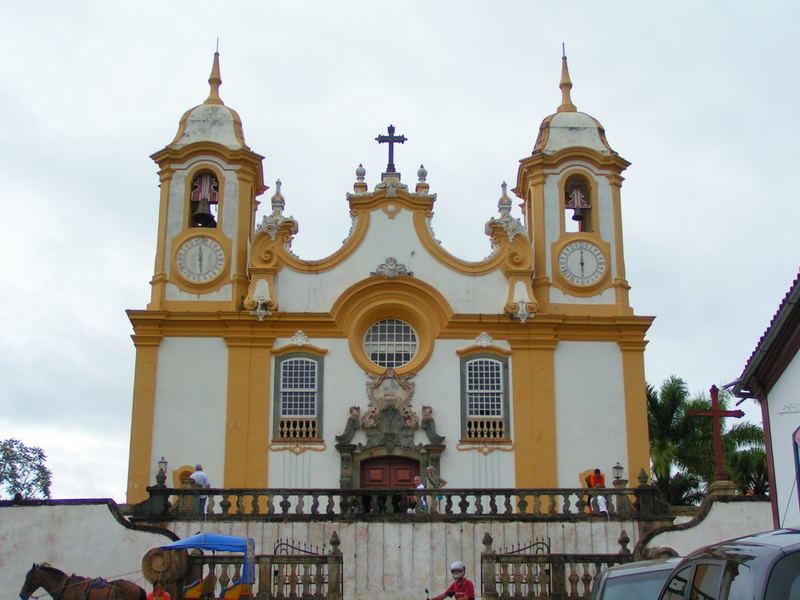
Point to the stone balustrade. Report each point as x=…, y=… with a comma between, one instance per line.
x=365, y=504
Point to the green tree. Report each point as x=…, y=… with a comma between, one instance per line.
x=682, y=446
x=22, y=470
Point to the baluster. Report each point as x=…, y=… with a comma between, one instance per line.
x=573, y=580
x=315, y=503
x=319, y=581
x=552, y=507
x=492, y=504
x=522, y=505
x=225, y=504
x=239, y=503
x=448, y=506
x=270, y=505
x=305, y=580
x=210, y=504
x=293, y=580
x=285, y=504
x=331, y=505
x=300, y=505
x=478, y=504
x=508, y=509
x=537, y=504
x=504, y=578
x=586, y=580
x=565, y=508
x=518, y=580
x=223, y=579
x=463, y=504
x=280, y=582
x=254, y=504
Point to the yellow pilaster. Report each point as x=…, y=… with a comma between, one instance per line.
x=247, y=420
x=534, y=404
x=635, y=406
x=144, y=396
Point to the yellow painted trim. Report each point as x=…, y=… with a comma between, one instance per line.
x=469, y=350
x=591, y=180
x=534, y=410
x=406, y=298
x=247, y=418
x=635, y=404
x=142, y=415
x=292, y=348
x=242, y=158
x=272, y=253
x=517, y=254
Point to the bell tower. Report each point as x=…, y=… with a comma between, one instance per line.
x=209, y=181
x=571, y=190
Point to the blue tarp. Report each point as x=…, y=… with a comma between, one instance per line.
x=222, y=543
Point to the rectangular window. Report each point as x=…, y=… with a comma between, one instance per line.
x=485, y=398
x=297, y=397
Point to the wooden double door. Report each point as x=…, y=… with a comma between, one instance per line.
x=389, y=472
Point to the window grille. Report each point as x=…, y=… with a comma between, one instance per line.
x=390, y=343
x=484, y=397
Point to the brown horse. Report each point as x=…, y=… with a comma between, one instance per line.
x=74, y=587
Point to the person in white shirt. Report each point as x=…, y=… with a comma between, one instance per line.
x=201, y=480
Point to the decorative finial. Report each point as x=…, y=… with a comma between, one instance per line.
x=565, y=85
x=278, y=202
x=214, y=80
x=360, y=185
x=504, y=204
x=422, y=173
x=422, y=184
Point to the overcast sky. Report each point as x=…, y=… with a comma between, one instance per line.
x=701, y=97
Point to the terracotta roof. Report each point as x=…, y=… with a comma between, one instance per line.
x=779, y=344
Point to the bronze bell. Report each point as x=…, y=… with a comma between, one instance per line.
x=202, y=217
x=579, y=214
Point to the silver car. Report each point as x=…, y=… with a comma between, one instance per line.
x=634, y=581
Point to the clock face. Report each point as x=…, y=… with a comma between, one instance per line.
x=582, y=263
x=200, y=259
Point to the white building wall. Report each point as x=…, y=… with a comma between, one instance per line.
x=345, y=386
x=590, y=409
x=784, y=418
x=397, y=238
x=191, y=405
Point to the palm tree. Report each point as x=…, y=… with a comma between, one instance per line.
x=682, y=446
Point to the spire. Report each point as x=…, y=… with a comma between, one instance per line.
x=565, y=85
x=214, y=80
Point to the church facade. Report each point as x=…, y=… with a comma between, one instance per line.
x=391, y=355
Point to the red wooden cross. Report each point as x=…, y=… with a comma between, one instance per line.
x=716, y=414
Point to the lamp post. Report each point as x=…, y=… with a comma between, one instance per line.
x=619, y=482
x=161, y=476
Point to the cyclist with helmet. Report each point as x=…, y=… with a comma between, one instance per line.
x=461, y=588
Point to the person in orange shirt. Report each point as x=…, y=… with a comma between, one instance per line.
x=597, y=479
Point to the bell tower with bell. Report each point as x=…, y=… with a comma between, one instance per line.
x=571, y=190
x=209, y=183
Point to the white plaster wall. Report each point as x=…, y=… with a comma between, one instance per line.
x=190, y=405
x=784, y=418
x=175, y=293
x=725, y=521
x=570, y=129
x=590, y=409
x=316, y=292
x=209, y=122
x=77, y=538
x=344, y=386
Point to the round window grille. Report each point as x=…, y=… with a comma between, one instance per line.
x=390, y=343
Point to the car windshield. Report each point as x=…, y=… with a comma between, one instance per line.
x=784, y=581
x=635, y=587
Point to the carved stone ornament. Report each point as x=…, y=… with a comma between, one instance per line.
x=389, y=424
x=511, y=225
x=299, y=339
x=392, y=269
x=484, y=340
